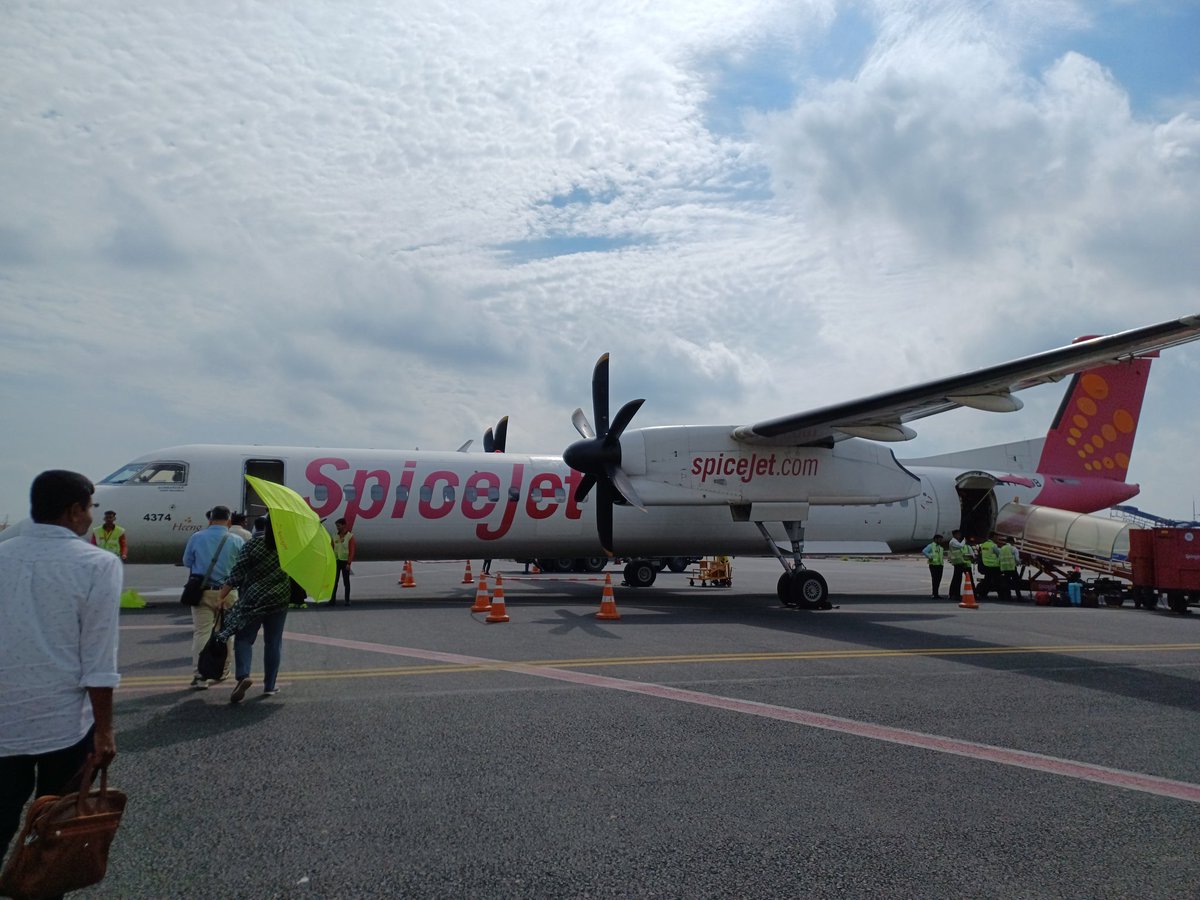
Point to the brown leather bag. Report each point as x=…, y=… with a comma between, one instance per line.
x=64, y=843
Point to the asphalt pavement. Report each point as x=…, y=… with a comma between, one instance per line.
x=710, y=743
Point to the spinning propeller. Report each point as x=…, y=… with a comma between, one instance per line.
x=494, y=443
x=598, y=455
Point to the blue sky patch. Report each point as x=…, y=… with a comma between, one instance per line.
x=1152, y=50
x=581, y=195
x=769, y=77
x=565, y=245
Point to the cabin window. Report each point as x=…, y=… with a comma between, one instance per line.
x=560, y=495
x=149, y=473
x=401, y=493
x=426, y=493
x=448, y=494
x=349, y=492
x=471, y=494
x=514, y=495
x=320, y=493
x=903, y=504
x=377, y=492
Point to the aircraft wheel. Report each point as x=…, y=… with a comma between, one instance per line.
x=558, y=566
x=640, y=573
x=804, y=588
x=594, y=564
x=783, y=588
x=676, y=563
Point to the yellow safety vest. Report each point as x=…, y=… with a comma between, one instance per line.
x=1008, y=558
x=109, y=540
x=987, y=555
x=341, y=545
x=935, y=554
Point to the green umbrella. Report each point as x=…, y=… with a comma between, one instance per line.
x=302, y=541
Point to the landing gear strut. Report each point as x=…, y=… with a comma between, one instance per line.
x=799, y=587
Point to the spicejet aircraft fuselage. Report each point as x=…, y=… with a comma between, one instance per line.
x=699, y=490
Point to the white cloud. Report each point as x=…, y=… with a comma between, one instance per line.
x=330, y=224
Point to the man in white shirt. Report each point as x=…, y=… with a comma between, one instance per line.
x=59, y=602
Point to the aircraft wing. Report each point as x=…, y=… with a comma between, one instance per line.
x=882, y=416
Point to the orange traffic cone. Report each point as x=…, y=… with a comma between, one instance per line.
x=608, y=603
x=534, y=570
x=467, y=577
x=968, y=593
x=483, y=600
x=407, y=580
x=498, y=613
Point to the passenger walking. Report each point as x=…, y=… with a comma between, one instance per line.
x=935, y=553
x=264, y=592
x=237, y=525
x=212, y=552
x=110, y=536
x=60, y=599
x=343, y=553
x=960, y=562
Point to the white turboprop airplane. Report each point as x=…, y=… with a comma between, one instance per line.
x=703, y=489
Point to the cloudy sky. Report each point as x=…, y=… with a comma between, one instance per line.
x=388, y=224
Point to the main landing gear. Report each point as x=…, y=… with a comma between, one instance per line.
x=799, y=587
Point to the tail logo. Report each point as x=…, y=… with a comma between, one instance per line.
x=1102, y=434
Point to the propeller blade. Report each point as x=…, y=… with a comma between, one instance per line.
x=501, y=434
x=489, y=442
x=624, y=486
x=600, y=395
x=604, y=516
x=582, y=425
x=624, y=415
x=585, y=484
x=597, y=457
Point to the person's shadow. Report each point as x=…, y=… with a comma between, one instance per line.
x=192, y=719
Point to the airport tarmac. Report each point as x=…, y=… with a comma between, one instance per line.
x=710, y=743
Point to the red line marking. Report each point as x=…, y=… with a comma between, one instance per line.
x=1150, y=784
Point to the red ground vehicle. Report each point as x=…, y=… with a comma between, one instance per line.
x=1167, y=560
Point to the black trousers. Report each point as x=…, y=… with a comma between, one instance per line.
x=342, y=574
x=956, y=581
x=935, y=578
x=989, y=582
x=56, y=772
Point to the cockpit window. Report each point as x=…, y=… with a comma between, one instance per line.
x=149, y=473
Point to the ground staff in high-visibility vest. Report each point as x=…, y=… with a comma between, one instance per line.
x=935, y=553
x=960, y=560
x=110, y=536
x=1008, y=569
x=343, y=552
x=989, y=564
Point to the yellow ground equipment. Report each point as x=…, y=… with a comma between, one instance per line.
x=715, y=572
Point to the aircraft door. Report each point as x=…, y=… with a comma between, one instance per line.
x=267, y=470
x=977, y=499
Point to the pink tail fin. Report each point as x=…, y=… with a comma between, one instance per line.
x=1092, y=434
